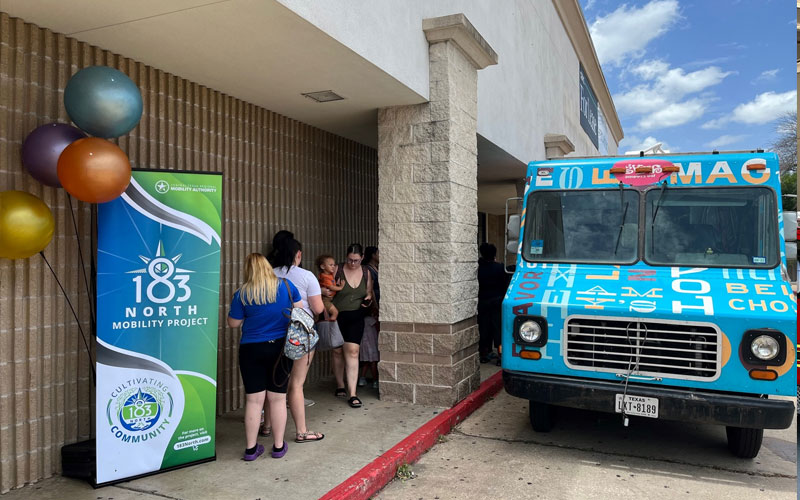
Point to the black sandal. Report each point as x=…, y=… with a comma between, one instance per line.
x=354, y=402
x=340, y=392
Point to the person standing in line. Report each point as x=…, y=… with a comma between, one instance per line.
x=369, y=353
x=288, y=253
x=351, y=302
x=257, y=306
x=492, y=284
x=278, y=241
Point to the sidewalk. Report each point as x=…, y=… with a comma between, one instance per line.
x=353, y=438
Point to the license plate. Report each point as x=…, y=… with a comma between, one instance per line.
x=638, y=406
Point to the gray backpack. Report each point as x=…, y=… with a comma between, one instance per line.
x=301, y=336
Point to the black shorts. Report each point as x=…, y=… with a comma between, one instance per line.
x=351, y=324
x=264, y=367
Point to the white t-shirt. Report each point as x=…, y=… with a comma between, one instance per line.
x=304, y=280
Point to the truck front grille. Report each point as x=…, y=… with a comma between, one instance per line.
x=659, y=348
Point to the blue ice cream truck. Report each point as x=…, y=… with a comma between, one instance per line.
x=653, y=287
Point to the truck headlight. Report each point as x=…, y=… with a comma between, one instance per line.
x=765, y=347
x=530, y=331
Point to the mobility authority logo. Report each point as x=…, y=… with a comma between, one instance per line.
x=139, y=409
x=162, y=187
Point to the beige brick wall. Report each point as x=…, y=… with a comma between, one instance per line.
x=278, y=173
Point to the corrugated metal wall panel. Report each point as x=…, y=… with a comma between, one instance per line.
x=279, y=174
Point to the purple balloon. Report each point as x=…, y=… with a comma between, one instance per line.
x=43, y=146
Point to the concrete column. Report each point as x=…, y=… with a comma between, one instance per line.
x=557, y=146
x=427, y=220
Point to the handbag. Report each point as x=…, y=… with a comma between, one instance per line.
x=330, y=337
x=301, y=336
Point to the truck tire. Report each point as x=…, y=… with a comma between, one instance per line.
x=744, y=443
x=541, y=415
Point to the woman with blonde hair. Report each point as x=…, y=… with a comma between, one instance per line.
x=258, y=307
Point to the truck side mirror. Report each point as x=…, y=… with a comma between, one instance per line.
x=512, y=234
x=790, y=226
x=790, y=235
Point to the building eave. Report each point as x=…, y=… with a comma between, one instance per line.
x=575, y=25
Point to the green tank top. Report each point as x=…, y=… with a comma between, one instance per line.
x=349, y=298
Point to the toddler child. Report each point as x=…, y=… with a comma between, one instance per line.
x=327, y=273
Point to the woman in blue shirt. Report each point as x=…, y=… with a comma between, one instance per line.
x=258, y=307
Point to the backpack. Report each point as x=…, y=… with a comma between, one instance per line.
x=301, y=336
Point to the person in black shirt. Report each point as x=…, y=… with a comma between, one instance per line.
x=492, y=284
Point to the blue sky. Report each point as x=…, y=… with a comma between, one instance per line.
x=697, y=75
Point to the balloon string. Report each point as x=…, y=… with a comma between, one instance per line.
x=69, y=302
x=83, y=265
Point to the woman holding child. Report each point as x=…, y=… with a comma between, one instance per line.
x=286, y=256
x=351, y=303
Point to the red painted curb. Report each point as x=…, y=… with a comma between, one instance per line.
x=377, y=474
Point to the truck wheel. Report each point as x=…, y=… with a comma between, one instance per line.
x=541, y=415
x=744, y=443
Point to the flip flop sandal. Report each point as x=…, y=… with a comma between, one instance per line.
x=341, y=392
x=354, y=402
x=265, y=431
x=308, y=437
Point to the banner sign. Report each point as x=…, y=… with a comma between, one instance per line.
x=158, y=260
x=589, y=108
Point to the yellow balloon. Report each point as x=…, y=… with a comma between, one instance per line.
x=26, y=225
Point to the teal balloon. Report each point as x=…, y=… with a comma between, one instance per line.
x=103, y=101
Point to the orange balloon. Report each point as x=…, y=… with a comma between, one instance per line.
x=94, y=170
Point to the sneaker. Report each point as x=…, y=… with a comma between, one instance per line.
x=278, y=453
x=362, y=381
x=375, y=384
x=249, y=457
x=309, y=402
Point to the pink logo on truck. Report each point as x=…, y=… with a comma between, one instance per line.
x=642, y=171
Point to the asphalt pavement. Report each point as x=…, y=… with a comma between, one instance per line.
x=495, y=454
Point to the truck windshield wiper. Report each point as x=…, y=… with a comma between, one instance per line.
x=624, y=210
x=621, y=226
x=655, y=212
x=658, y=202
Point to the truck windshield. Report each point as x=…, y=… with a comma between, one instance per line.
x=592, y=226
x=708, y=227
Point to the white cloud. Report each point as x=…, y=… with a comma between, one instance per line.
x=627, y=31
x=661, y=100
x=673, y=115
x=716, y=123
x=765, y=107
x=767, y=75
x=725, y=140
x=665, y=87
x=634, y=144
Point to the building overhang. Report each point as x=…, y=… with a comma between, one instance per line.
x=258, y=51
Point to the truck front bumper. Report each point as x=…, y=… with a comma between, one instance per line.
x=674, y=404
